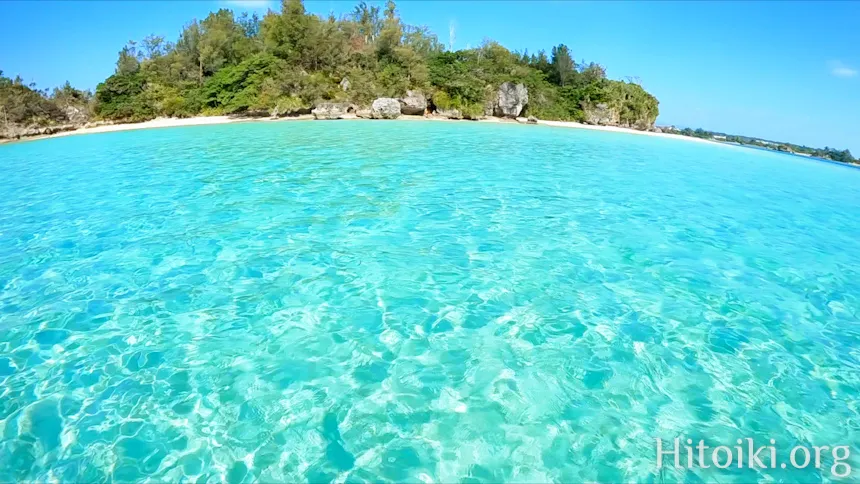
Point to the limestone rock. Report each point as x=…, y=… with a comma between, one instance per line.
x=601, y=114
x=511, y=100
x=449, y=113
x=15, y=131
x=330, y=110
x=345, y=84
x=414, y=103
x=77, y=115
x=292, y=106
x=385, y=108
x=532, y=120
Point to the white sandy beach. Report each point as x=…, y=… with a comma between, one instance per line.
x=208, y=120
x=167, y=123
x=616, y=129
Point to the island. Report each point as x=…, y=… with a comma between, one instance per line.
x=291, y=63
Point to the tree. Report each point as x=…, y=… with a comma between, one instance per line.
x=250, y=24
x=592, y=73
x=391, y=33
x=286, y=34
x=368, y=20
x=222, y=41
x=154, y=47
x=24, y=104
x=540, y=61
x=188, y=52
x=563, y=67
x=421, y=41
x=129, y=61
x=118, y=97
x=66, y=95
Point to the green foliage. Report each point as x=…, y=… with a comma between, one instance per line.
x=637, y=108
x=235, y=89
x=469, y=109
x=129, y=60
x=563, y=67
x=67, y=96
x=120, y=97
x=222, y=41
x=25, y=105
x=167, y=100
x=291, y=105
x=392, y=79
x=421, y=41
x=455, y=74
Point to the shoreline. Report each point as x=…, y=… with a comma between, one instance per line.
x=212, y=120
x=618, y=129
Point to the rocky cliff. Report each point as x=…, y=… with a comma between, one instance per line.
x=622, y=104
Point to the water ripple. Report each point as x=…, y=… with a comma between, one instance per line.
x=416, y=301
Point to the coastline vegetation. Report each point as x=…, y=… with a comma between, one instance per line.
x=284, y=62
x=25, y=104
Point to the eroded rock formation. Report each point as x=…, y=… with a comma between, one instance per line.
x=414, y=103
x=511, y=100
x=385, y=108
x=330, y=110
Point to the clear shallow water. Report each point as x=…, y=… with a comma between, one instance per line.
x=410, y=301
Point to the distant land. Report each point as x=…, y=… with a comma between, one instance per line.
x=826, y=153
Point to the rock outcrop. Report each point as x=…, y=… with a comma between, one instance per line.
x=414, y=103
x=385, y=108
x=291, y=107
x=605, y=114
x=345, y=84
x=642, y=124
x=601, y=114
x=511, y=100
x=449, y=113
x=330, y=110
x=78, y=115
x=279, y=112
x=15, y=131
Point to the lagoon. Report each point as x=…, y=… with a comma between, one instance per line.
x=418, y=301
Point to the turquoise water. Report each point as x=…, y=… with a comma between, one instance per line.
x=418, y=301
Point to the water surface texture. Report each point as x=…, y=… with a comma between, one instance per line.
x=417, y=301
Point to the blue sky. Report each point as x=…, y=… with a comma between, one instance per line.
x=778, y=70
